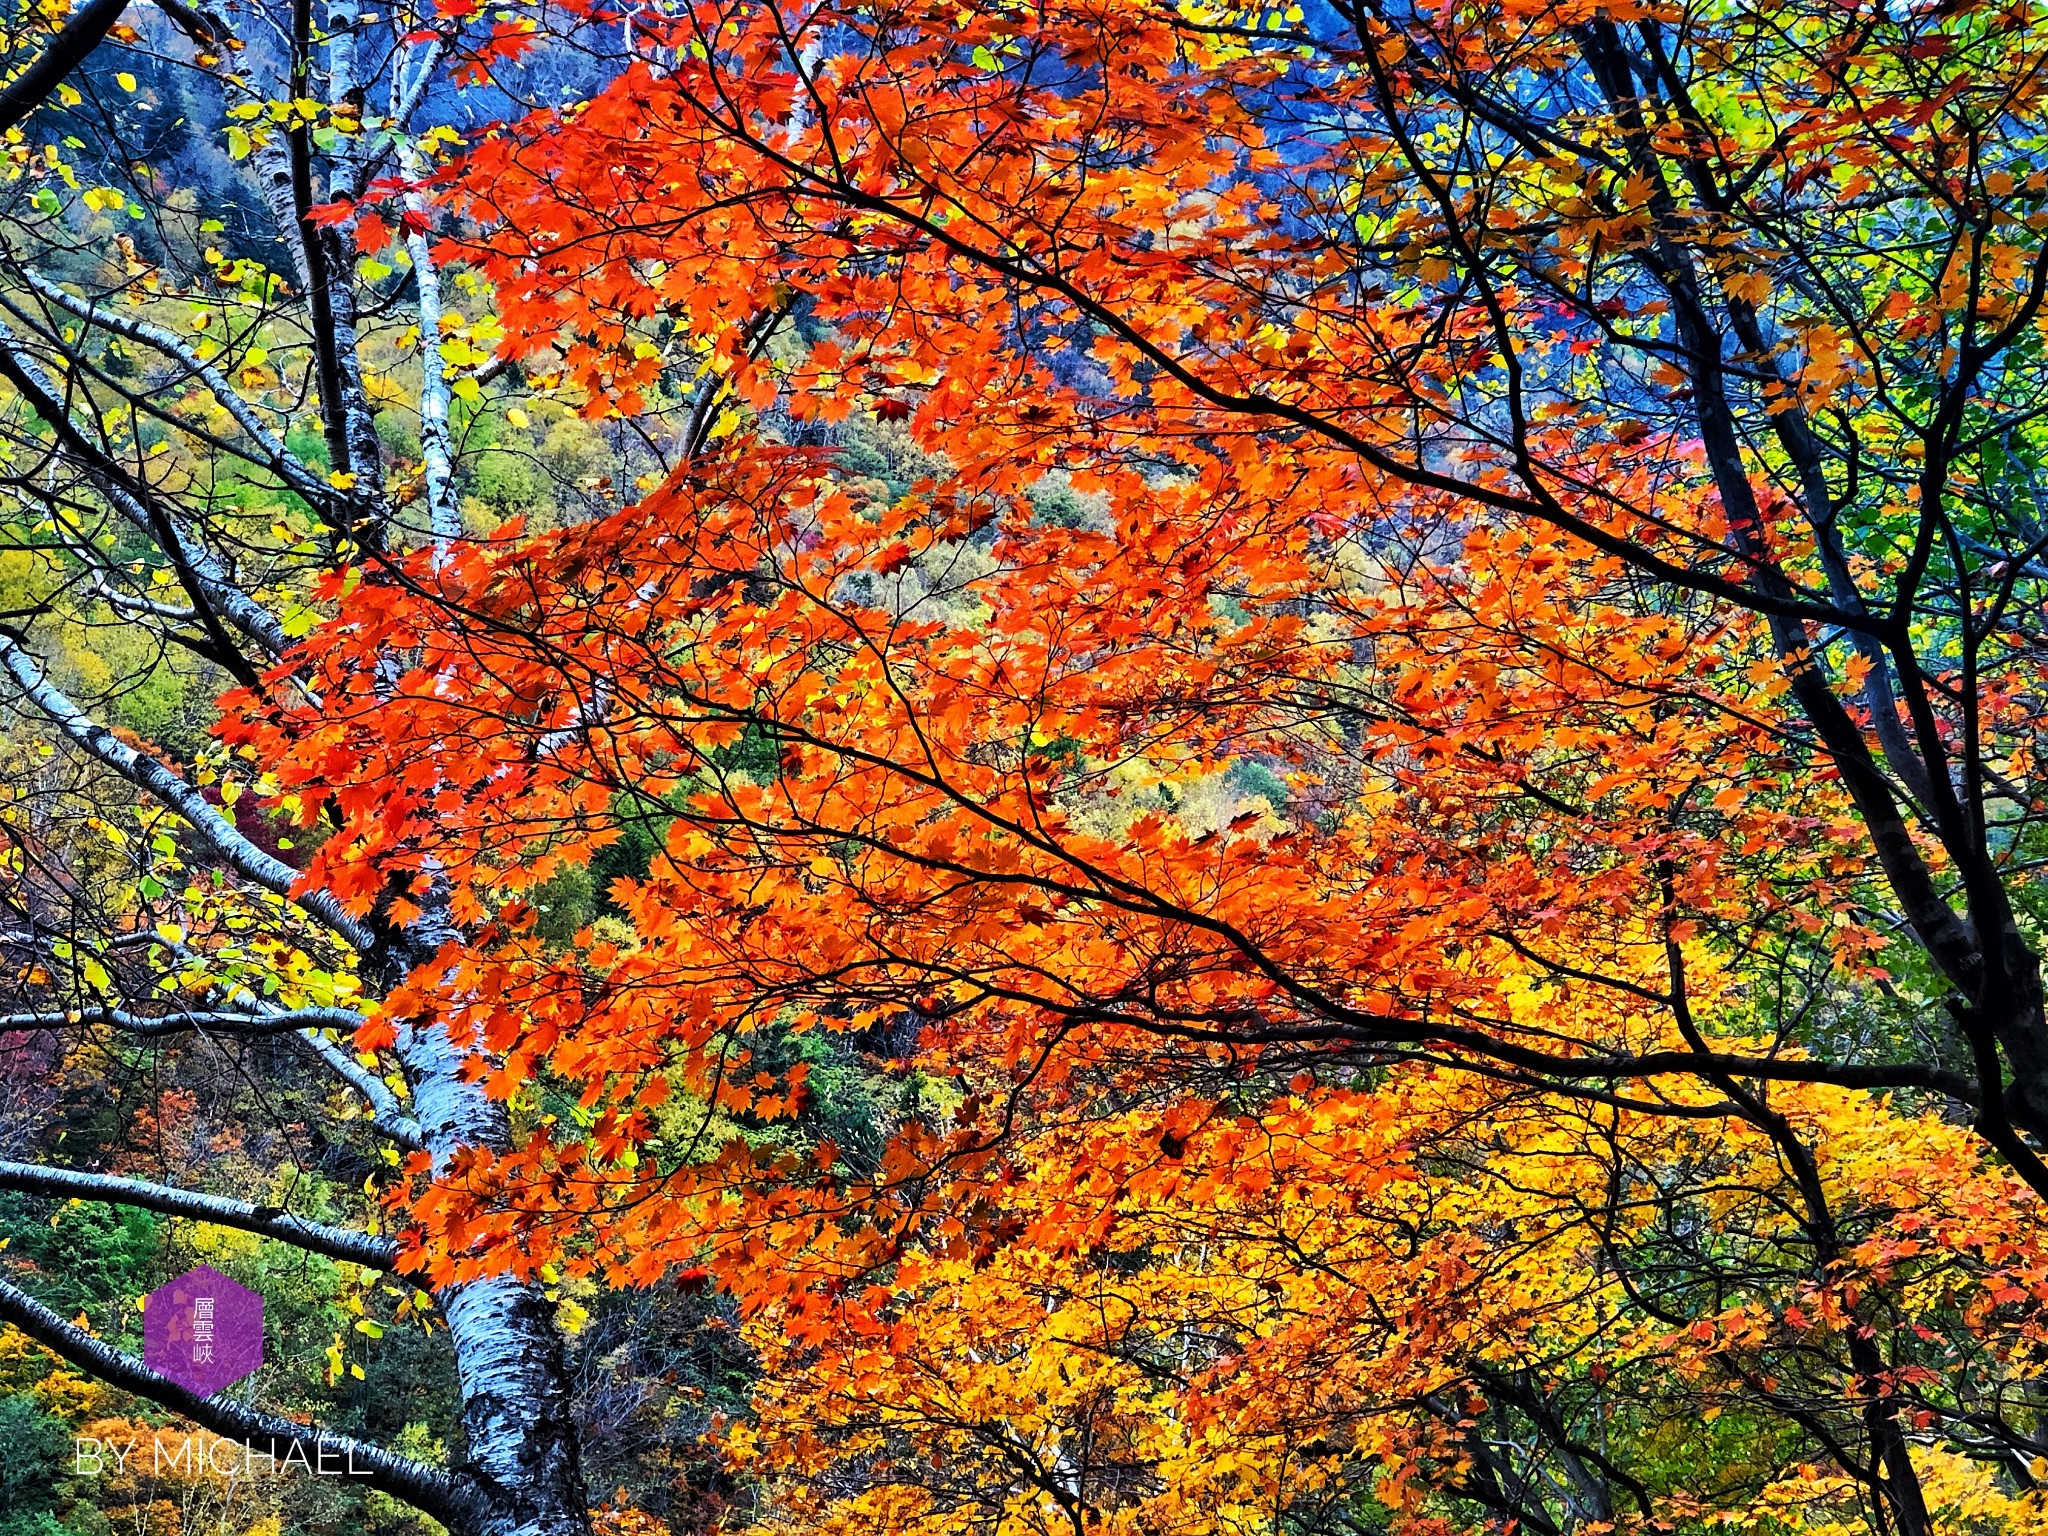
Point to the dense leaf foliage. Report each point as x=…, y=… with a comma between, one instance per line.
x=1307, y=795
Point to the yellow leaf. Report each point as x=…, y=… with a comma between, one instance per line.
x=1750, y=287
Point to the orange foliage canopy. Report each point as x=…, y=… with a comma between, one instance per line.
x=1429, y=593
x=1403, y=388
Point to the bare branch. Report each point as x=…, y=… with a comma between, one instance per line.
x=425, y=1488
x=159, y=780
x=207, y=583
x=84, y=32
x=265, y=1221
x=386, y=1114
x=275, y=455
x=151, y=1026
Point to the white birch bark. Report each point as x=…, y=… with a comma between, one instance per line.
x=519, y=1473
x=274, y=455
x=334, y=1242
x=444, y=515
x=523, y=1454
x=216, y=585
x=424, y=1487
x=165, y=784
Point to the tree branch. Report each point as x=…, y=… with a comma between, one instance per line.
x=385, y=1112
x=387, y=1115
x=85, y=31
x=312, y=1236
x=157, y=779
x=423, y=1487
x=276, y=456
x=154, y=1026
x=201, y=575
x=437, y=448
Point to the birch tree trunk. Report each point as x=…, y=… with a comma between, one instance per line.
x=519, y=1471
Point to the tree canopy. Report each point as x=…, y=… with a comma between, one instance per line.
x=1219, y=767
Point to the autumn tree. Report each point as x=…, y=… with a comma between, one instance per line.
x=1419, y=1308
x=1424, y=742
x=1720, y=321
x=1491, y=538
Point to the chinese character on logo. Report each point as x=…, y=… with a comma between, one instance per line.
x=203, y=1331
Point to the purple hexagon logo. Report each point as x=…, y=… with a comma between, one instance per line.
x=202, y=1330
